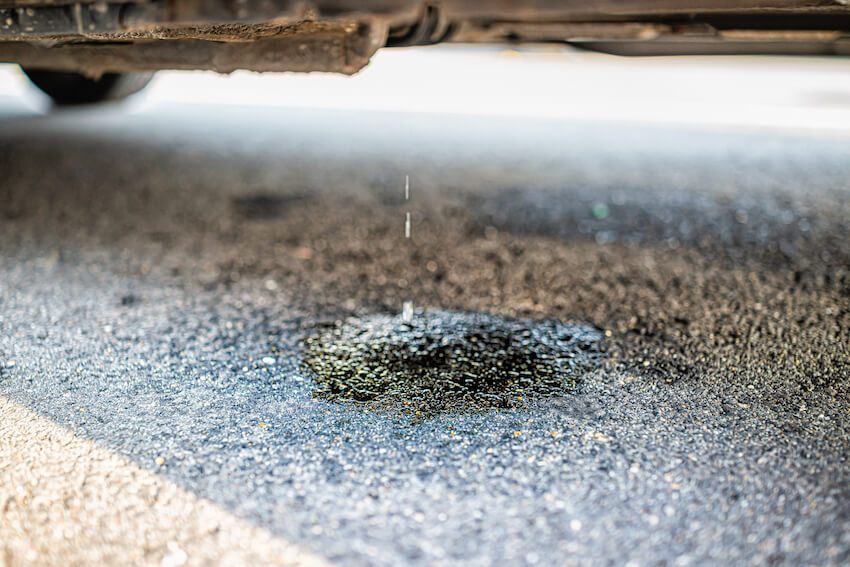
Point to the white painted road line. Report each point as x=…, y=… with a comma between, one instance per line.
x=66, y=501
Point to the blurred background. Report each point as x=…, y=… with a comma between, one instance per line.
x=557, y=82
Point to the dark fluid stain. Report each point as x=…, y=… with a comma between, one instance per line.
x=444, y=361
x=263, y=206
x=130, y=299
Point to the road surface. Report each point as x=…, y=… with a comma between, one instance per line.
x=163, y=264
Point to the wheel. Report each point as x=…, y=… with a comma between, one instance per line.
x=73, y=88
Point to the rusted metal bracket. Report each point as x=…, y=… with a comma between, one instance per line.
x=341, y=48
x=341, y=35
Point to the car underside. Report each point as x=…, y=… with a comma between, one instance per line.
x=94, y=38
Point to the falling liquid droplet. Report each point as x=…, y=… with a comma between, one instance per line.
x=407, y=307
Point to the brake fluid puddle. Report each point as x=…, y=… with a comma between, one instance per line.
x=438, y=361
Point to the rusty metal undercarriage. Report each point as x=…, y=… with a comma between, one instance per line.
x=341, y=35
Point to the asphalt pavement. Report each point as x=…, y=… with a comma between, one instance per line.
x=168, y=276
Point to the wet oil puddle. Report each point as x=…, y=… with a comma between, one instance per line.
x=444, y=361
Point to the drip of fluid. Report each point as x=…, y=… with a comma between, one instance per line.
x=407, y=311
x=407, y=307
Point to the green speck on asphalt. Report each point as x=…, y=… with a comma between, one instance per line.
x=600, y=211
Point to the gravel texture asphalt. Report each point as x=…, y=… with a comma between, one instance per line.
x=161, y=270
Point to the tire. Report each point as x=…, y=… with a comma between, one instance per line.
x=73, y=88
